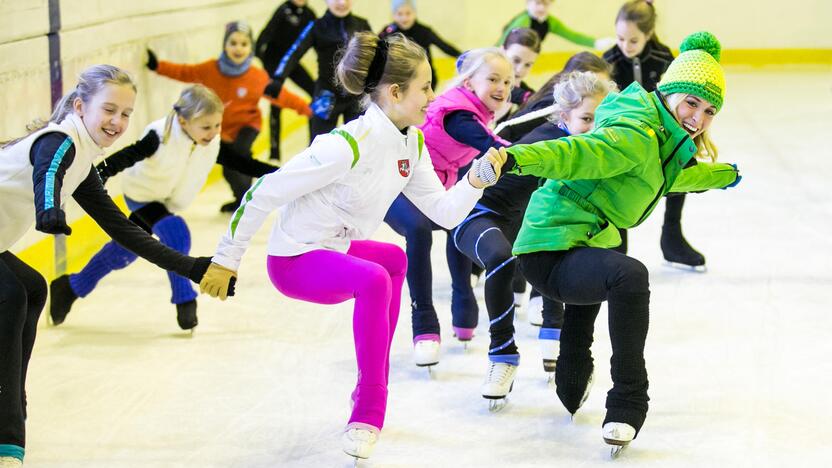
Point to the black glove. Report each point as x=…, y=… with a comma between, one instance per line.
x=152, y=61
x=201, y=265
x=128, y=156
x=273, y=88
x=52, y=221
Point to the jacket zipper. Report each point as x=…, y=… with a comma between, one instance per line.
x=664, y=181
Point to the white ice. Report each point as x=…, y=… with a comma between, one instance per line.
x=738, y=357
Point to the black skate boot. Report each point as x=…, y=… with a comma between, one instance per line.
x=186, y=315
x=61, y=297
x=573, y=380
x=677, y=251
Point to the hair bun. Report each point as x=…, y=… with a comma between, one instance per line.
x=702, y=40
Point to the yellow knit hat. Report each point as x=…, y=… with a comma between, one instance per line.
x=697, y=70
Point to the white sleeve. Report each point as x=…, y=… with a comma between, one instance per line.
x=328, y=158
x=445, y=208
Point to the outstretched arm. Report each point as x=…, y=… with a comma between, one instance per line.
x=556, y=26
x=705, y=176
x=128, y=156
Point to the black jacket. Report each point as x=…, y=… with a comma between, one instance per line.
x=326, y=35
x=653, y=61
x=281, y=31
x=425, y=37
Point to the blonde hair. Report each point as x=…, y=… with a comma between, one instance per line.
x=706, y=149
x=90, y=82
x=403, y=57
x=468, y=63
x=574, y=87
x=194, y=101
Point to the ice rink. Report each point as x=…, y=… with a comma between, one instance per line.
x=738, y=357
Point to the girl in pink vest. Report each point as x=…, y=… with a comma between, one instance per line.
x=456, y=131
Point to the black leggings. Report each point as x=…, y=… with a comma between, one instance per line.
x=582, y=278
x=22, y=297
x=239, y=148
x=486, y=239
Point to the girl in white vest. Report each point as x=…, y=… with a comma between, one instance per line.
x=165, y=170
x=37, y=173
x=333, y=196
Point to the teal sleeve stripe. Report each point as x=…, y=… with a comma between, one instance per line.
x=8, y=450
x=49, y=186
x=353, y=144
x=242, y=209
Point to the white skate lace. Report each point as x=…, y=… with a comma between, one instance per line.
x=499, y=372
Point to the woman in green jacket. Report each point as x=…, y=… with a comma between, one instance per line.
x=644, y=146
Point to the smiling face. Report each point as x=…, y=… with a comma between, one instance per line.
x=694, y=114
x=492, y=82
x=630, y=39
x=405, y=17
x=202, y=129
x=238, y=47
x=107, y=113
x=538, y=9
x=522, y=58
x=582, y=118
x=407, y=106
x=339, y=8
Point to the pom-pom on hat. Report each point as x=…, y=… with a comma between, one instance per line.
x=697, y=70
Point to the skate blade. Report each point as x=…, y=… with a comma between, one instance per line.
x=685, y=267
x=617, y=447
x=550, y=380
x=496, y=404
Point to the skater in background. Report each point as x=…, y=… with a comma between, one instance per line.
x=405, y=22
x=456, y=132
x=333, y=196
x=37, y=173
x=640, y=57
x=240, y=86
x=487, y=234
x=327, y=35
x=165, y=170
x=644, y=146
x=274, y=41
x=522, y=46
x=537, y=17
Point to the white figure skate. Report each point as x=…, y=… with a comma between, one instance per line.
x=498, y=383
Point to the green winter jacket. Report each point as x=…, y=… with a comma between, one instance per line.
x=555, y=26
x=612, y=177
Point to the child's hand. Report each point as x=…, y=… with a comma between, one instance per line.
x=218, y=281
x=273, y=88
x=485, y=171
x=152, y=61
x=52, y=221
x=736, y=181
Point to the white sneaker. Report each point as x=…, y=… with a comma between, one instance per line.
x=549, y=350
x=10, y=462
x=426, y=353
x=535, y=311
x=359, y=442
x=618, y=433
x=498, y=380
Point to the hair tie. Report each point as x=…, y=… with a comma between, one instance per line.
x=461, y=60
x=376, y=69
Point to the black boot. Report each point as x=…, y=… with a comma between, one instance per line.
x=61, y=297
x=676, y=249
x=186, y=315
x=573, y=379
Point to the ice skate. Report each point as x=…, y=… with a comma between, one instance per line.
x=186, y=315
x=61, y=297
x=464, y=335
x=678, y=252
x=426, y=353
x=618, y=436
x=359, y=442
x=549, y=339
x=498, y=383
x=534, y=309
x=10, y=462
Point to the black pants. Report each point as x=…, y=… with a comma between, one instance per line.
x=486, y=239
x=301, y=77
x=239, y=148
x=347, y=106
x=582, y=278
x=22, y=297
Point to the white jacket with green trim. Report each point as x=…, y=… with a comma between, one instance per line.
x=340, y=188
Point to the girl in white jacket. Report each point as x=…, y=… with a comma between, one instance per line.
x=164, y=172
x=333, y=196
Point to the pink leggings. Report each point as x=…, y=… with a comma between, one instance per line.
x=372, y=273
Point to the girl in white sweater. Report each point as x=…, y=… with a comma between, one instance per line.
x=333, y=196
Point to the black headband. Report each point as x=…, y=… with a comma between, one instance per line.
x=376, y=66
